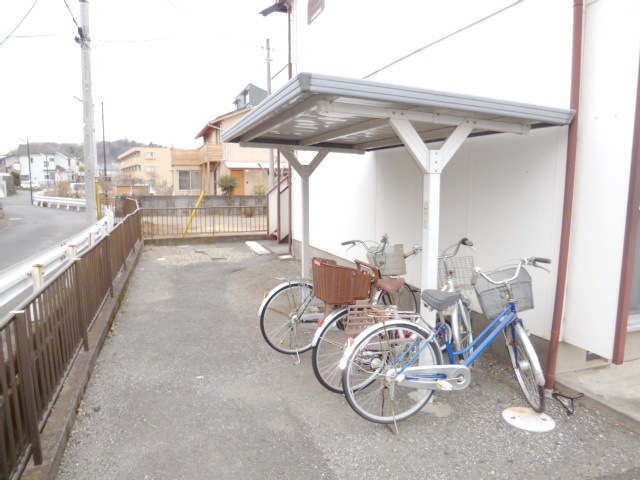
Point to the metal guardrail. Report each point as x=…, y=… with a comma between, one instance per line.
x=40, y=340
x=44, y=201
x=34, y=271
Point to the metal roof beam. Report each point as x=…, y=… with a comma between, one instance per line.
x=303, y=107
x=413, y=142
x=453, y=143
x=270, y=143
x=344, y=131
x=430, y=136
x=325, y=107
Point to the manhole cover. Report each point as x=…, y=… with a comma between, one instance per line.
x=527, y=419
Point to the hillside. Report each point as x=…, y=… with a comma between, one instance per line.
x=112, y=148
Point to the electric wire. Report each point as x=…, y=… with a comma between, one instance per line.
x=20, y=23
x=71, y=13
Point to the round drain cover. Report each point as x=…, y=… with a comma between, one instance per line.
x=527, y=419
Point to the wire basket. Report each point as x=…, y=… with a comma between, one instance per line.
x=494, y=298
x=391, y=261
x=461, y=271
x=338, y=285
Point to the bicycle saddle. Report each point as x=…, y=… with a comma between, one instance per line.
x=390, y=285
x=439, y=300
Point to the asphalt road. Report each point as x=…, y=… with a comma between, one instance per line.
x=186, y=388
x=28, y=229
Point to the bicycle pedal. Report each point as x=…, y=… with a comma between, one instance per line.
x=444, y=385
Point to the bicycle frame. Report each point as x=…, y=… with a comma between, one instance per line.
x=508, y=316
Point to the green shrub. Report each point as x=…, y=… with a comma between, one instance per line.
x=260, y=189
x=227, y=183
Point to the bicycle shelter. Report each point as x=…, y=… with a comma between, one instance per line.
x=325, y=114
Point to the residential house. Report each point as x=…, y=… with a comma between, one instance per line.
x=570, y=197
x=249, y=166
x=150, y=166
x=45, y=165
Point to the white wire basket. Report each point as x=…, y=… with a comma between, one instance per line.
x=494, y=298
x=460, y=269
x=391, y=261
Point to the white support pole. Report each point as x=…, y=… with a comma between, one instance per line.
x=306, y=250
x=305, y=172
x=430, y=234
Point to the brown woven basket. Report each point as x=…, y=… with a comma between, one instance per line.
x=338, y=285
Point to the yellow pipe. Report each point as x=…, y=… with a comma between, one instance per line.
x=193, y=214
x=98, y=201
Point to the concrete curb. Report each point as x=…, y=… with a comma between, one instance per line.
x=58, y=427
x=592, y=402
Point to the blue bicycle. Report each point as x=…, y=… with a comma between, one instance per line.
x=393, y=367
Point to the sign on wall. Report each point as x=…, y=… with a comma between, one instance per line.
x=314, y=8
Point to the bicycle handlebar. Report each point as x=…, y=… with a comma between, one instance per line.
x=523, y=261
x=463, y=241
x=540, y=260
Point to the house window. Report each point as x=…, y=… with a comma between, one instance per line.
x=150, y=155
x=151, y=169
x=189, y=180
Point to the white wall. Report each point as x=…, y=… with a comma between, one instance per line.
x=522, y=53
x=610, y=72
x=504, y=192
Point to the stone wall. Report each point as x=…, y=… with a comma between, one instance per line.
x=159, y=201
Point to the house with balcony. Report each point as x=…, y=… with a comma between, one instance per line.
x=248, y=166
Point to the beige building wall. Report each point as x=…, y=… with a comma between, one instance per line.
x=234, y=153
x=150, y=164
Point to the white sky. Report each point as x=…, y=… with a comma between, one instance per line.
x=163, y=68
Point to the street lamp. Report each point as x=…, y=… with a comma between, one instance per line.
x=29, y=165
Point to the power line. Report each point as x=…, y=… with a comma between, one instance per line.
x=17, y=26
x=71, y=13
x=41, y=35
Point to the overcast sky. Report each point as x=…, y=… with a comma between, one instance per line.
x=163, y=68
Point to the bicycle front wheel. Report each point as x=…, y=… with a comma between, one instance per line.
x=525, y=365
x=369, y=378
x=405, y=299
x=326, y=355
x=290, y=317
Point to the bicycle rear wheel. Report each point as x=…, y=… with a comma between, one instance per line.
x=368, y=378
x=290, y=317
x=525, y=365
x=405, y=299
x=326, y=355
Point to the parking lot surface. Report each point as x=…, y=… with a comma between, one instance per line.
x=186, y=388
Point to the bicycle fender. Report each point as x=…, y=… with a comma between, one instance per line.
x=326, y=324
x=276, y=290
x=392, y=323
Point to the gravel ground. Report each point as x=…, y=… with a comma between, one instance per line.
x=185, y=388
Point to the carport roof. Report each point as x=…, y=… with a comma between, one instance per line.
x=327, y=113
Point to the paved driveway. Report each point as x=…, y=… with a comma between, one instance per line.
x=185, y=388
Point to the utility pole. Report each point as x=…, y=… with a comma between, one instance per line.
x=90, y=158
x=104, y=146
x=29, y=164
x=271, y=175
